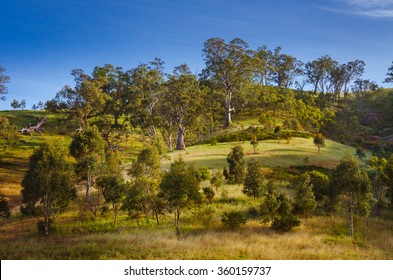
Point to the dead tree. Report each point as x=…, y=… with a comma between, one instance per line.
x=39, y=127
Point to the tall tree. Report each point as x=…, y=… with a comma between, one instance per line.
x=254, y=181
x=113, y=189
x=305, y=199
x=237, y=165
x=229, y=65
x=351, y=185
x=88, y=148
x=146, y=177
x=180, y=188
x=182, y=102
x=8, y=133
x=85, y=101
x=116, y=84
x=316, y=72
x=389, y=74
x=147, y=89
x=286, y=68
x=49, y=181
x=3, y=80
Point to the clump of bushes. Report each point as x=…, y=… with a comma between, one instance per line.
x=233, y=219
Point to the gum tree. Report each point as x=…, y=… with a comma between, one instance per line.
x=49, y=182
x=180, y=188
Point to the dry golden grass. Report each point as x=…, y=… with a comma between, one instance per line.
x=316, y=238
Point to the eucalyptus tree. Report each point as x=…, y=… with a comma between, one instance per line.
x=180, y=188
x=286, y=68
x=350, y=184
x=229, y=65
x=316, y=72
x=182, y=102
x=3, y=80
x=49, y=182
x=146, y=88
x=85, y=100
x=117, y=87
x=389, y=74
x=254, y=182
x=263, y=67
x=89, y=149
x=146, y=176
x=341, y=75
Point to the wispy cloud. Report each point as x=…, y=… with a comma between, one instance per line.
x=368, y=8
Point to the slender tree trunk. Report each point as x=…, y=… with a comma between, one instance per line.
x=156, y=214
x=351, y=210
x=46, y=216
x=180, y=145
x=177, y=221
x=228, y=109
x=88, y=186
x=115, y=210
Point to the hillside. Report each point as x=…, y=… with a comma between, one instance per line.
x=81, y=235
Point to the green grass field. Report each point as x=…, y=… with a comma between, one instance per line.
x=270, y=153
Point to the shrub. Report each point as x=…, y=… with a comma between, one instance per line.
x=286, y=222
x=204, y=215
x=204, y=173
x=233, y=219
x=209, y=194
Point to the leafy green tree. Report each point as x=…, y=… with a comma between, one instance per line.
x=228, y=65
x=116, y=84
x=182, y=103
x=15, y=104
x=320, y=184
x=316, y=72
x=254, y=181
x=237, y=165
x=305, y=199
x=134, y=202
x=180, y=188
x=254, y=142
x=209, y=194
x=360, y=153
x=3, y=80
x=113, y=189
x=88, y=148
x=351, y=185
x=5, y=211
x=83, y=102
x=286, y=68
x=146, y=176
x=22, y=104
x=233, y=219
x=378, y=172
x=49, y=182
x=147, y=89
x=319, y=141
x=284, y=220
x=8, y=133
x=389, y=74
x=217, y=179
x=270, y=203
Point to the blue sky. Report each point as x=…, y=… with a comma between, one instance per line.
x=43, y=40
